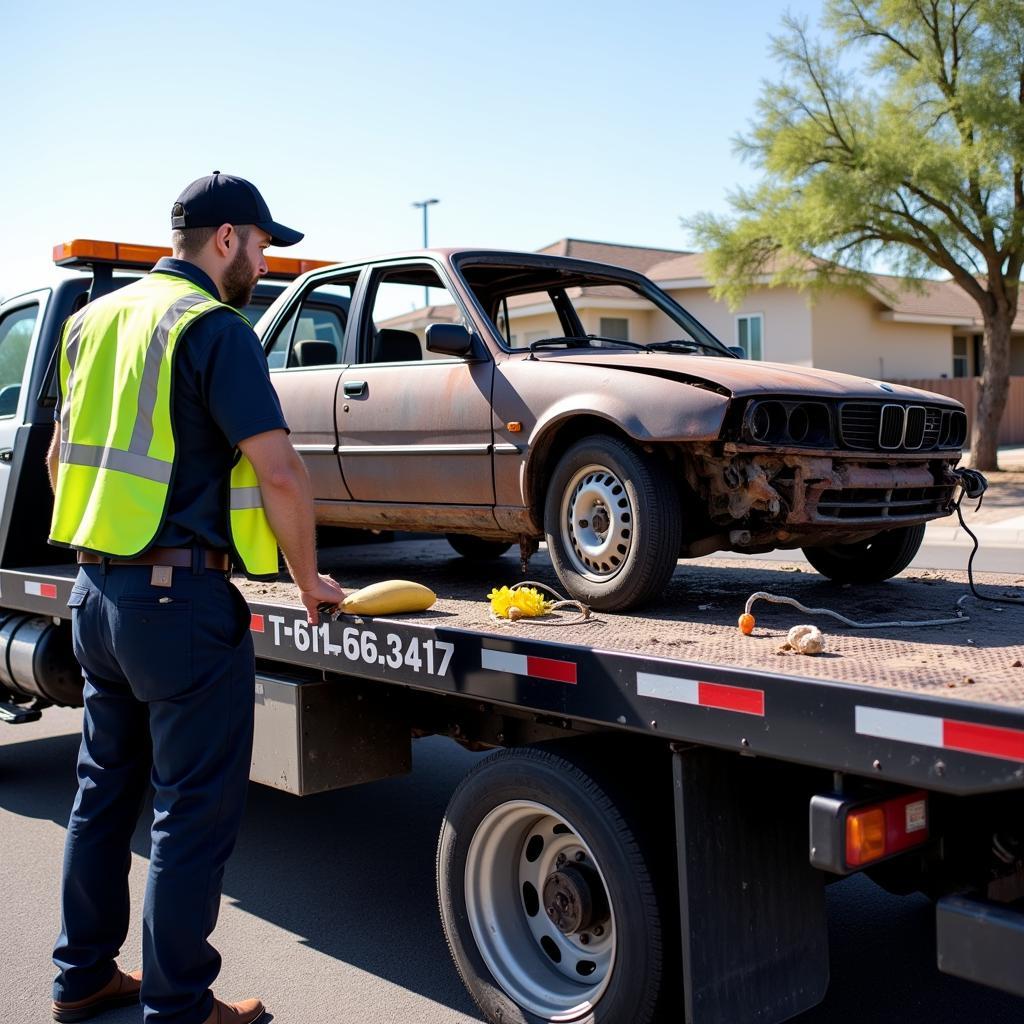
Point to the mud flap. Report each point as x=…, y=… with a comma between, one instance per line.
x=754, y=937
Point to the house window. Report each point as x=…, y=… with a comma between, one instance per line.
x=960, y=364
x=616, y=327
x=979, y=355
x=750, y=335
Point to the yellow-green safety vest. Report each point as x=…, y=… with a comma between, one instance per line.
x=117, y=448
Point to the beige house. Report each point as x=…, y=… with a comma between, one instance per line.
x=887, y=331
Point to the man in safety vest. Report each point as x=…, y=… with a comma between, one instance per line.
x=170, y=459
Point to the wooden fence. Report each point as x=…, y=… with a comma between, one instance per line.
x=965, y=389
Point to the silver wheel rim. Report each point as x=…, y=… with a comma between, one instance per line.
x=596, y=523
x=557, y=976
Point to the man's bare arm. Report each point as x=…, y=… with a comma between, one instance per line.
x=53, y=456
x=288, y=501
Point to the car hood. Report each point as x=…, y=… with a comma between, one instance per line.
x=743, y=378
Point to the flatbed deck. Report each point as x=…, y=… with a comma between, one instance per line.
x=937, y=707
x=980, y=659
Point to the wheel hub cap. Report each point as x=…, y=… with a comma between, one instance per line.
x=574, y=899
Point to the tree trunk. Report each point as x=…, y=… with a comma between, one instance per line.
x=993, y=389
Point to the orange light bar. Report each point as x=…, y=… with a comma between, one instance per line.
x=82, y=251
x=84, y=248
x=289, y=266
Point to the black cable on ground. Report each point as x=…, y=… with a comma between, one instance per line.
x=973, y=485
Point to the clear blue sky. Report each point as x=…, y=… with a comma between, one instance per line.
x=529, y=120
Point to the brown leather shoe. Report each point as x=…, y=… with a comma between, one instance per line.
x=249, y=1011
x=121, y=990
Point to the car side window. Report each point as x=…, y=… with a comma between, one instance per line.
x=314, y=333
x=405, y=301
x=16, y=328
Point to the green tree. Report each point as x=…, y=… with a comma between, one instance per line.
x=898, y=135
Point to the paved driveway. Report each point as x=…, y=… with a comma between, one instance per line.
x=329, y=911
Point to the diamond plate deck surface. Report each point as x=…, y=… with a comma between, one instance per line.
x=980, y=660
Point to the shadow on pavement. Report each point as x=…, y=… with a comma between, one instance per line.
x=350, y=872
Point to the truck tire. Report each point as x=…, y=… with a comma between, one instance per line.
x=477, y=549
x=868, y=561
x=613, y=524
x=546, y=896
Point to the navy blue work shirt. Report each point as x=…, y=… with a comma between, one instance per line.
x=221, y=395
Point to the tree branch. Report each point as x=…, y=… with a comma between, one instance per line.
x=872, y=31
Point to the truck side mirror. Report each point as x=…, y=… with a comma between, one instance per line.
x=450, y=339
x=738, y=352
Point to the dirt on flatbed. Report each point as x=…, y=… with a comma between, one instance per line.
x=980, y=658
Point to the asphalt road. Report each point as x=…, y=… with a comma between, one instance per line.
x=329, y=912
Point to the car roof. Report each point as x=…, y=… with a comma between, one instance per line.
x=456, y=255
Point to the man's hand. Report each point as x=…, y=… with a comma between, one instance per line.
x=325, y=591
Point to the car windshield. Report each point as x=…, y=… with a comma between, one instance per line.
x=545, y=307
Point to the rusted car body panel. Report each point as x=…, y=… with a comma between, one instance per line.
x=742, y=378
x=467, y=443
x=427, y=444
x=305, y=394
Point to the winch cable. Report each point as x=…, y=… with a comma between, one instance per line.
x=974, y=485
x=762, y=595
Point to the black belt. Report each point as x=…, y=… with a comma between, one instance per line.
x=219, y=560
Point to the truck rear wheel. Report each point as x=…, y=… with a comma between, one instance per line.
x=878, y=558
x=546, y=896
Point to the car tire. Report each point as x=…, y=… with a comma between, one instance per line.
x=868, y=561
x=613, y=524
x=477, y=549
x=529, y=813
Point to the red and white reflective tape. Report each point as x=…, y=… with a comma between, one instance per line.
x=743, y=699
x=527, y=665
x=37, y=589
x=256, y=624
x=944, y=733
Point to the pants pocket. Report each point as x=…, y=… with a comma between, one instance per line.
x=153, y=644
x=76, y=602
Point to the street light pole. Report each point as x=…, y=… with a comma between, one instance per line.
x=423, y=204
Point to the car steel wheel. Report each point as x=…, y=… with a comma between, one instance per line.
x=597, y=523
x=538, y=908
x=613, y=522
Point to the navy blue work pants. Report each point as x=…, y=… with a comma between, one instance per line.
x=169, y=693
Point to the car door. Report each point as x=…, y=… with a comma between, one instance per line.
x=305, y=353
x=414, y=426
x=20, y=321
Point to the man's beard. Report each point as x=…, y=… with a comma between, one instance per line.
x=240, y=278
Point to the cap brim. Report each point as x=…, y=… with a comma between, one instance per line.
x=280, y=235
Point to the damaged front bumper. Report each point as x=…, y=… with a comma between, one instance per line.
x=788, y=499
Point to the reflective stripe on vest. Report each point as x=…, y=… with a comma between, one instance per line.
x=117, y=443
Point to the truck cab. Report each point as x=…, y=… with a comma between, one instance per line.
x=30, y=325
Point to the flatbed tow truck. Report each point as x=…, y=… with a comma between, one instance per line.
x=667, y=798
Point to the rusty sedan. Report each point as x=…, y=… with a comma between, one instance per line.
x=482, y=395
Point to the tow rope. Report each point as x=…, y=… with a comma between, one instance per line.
x=524, y=601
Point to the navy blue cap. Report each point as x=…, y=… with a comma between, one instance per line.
x=224, y=199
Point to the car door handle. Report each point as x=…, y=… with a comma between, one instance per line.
x=355, y=388
x=6, y=455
